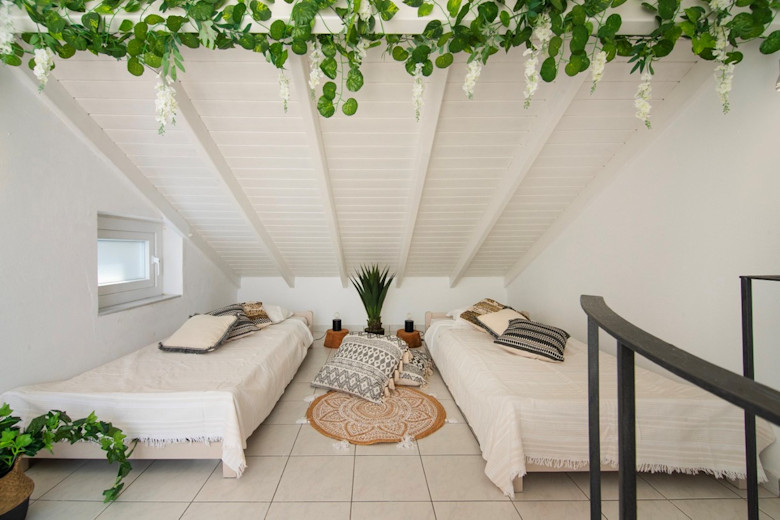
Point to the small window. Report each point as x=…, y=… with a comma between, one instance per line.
x=129, y=263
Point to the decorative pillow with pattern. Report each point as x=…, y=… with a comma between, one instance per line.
x=534, y=340
x=256, y=312
x=364, y=366
x=243, y=327
x=200, y=334
x=417, y=370
x=484, y=306
x=497, y=322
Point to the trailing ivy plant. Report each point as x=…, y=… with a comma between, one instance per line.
x=558, y=37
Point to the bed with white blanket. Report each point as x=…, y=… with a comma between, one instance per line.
x=180, y=405
x=531, y=415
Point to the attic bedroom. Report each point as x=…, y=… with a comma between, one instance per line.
x=493, y=200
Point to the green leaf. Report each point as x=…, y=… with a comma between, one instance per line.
x=555, y=45
x=152, y=60
x=649, y=7
x=433, y=30
x=578, y=15
x=688, y=28
x=329, y=67
x=140, y=30
x=238, y=13
x=54, y=22
x=693, y=13
x=154, y=19
x=558, y=5
x=329, y=90
x=505, y=18
x=414, y=3
x=174, y=22
x=134, y=66
x=579, y=38
x=304, y=12
x=424, y=10
x=453, y=6
x=260, y=11
x=771, y=43
x=616, y=3
x=734, y=57
x=663, y=48
x=387, y=9
x=705, y=41
x=488, y=11
x=325, y=107
x=427, y=68
x=91, y=21
x=299, y=47
x=444, y=61
x=399, y=53
x=190, y=40
x=574, y=66
x=548, y=70
x=125, y=26
x=668, y=8
x=278, y=28
x=594, y=7
x=135, y=47
x=202, y=11
x=354, y=80
x=420, y=53
x=11, y=59
x=349, y=107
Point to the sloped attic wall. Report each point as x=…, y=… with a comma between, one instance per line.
x=666, y=241
x=51, y=188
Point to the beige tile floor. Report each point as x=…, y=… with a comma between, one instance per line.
x=296, y=473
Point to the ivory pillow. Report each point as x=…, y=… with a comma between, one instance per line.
x=276, y=313
x=484, y=306
x=200, y=334
x=497, y=322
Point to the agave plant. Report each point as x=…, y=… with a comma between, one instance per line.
x=372, y=285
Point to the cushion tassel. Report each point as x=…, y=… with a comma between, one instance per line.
x=407, y=357
x=391, y=384
x=396, y=375
x=387, y=392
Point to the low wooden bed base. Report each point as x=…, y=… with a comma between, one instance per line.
x=189, y=450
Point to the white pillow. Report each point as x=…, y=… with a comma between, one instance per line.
x=276, y=313
x=460, y=322
x=200, y=334
x=497, y=322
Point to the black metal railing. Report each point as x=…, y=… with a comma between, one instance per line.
x=756, y=399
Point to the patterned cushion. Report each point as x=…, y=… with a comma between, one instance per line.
x=535, y=340
x=199, y=334
x=484, y=306
x=497, y=322
x=363, y=366
x=243, y=327
x=417, y=370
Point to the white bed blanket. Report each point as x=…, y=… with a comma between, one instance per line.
x=529, y=411
x=164, y=397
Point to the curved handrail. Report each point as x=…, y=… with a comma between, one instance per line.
x=754, y=397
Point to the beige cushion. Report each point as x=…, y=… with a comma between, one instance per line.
x=497, y=322
x=200, y=334
x=484, y=306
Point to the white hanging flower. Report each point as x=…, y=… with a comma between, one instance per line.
x=365, y=11
x=720, y=5
x=315, y=60
x=531, y=76
x=417, y=90
x=542, y=31
x=44, y=62
x=361, y=48
x=165, y=104
x=6, y=28
x=284, y=89
x=472, y=75
x=724, y=73
x=642, y=98
x=599, y=62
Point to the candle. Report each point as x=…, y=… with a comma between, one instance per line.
x=409, y=324
x=336, y=322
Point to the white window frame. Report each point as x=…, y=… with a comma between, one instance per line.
x=127, y=228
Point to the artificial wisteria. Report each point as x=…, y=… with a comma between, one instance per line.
x=165, y=104
x=361, y=50
x=642, y=98
x=541, y=36
x=284, y=89
x=598, y=64
x=44, y=63
x=473, y=71
x=315, y=60
x=724, y=72
x=417, y=90
x=6, y=28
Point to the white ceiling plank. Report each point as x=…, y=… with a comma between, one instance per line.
x=426, y=137
x=299, y=69
x=212, y=153
x=524, y=158
x=61, y=103
x=672, y=108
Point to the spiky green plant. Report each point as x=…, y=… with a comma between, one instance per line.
x=372, y=285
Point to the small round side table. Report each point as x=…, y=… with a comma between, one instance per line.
x=333, y=338
x=412, y=339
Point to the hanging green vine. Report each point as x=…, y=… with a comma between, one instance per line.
x=559, y=36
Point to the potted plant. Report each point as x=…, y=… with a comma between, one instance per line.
x=372, y=285
x=42, y=433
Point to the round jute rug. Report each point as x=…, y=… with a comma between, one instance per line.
x=406, y=412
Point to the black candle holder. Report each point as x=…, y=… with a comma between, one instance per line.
x=409, y=326
x=336, y=324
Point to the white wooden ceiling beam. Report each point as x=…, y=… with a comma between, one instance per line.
x=61, y=103
x=558, y=100
x=662, y=118
x=299, y=70
x=429, y=117
x=213, y=155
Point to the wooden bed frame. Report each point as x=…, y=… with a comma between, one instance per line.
x=190, y=450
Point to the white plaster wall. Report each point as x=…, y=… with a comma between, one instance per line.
x=666, y=241
x=51, y=189
x=326, y=296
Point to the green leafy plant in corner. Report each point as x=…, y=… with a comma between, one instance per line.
x=372, y=284
x=54, y=426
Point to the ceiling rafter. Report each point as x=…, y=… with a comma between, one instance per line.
x=558, y=101
x=212, y=153
x=662, y=118
x=61, y=103
x=311, y=122
x=427, y=136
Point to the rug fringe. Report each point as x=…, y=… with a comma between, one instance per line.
x=406, y=443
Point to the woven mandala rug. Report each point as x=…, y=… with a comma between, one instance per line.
x=406, y=412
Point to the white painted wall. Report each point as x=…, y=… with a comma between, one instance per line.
x=326, y=296
x=666, y=241
x=51, y=189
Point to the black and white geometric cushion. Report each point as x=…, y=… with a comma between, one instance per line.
x=535, y=340
x=363, y=365
x=416, y=371
x=243, y=327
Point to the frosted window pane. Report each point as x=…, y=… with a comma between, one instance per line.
x=122, y=261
